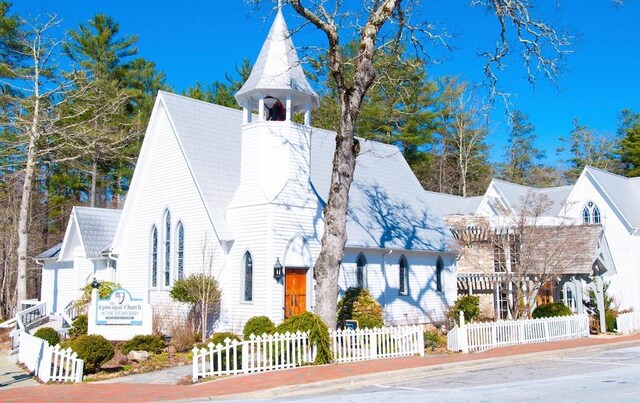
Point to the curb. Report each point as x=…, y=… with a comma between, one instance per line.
x=358, y=381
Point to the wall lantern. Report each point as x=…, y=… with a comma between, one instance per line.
x=277, y=270
x=95, y=284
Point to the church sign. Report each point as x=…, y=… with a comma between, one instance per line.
x=119, y=309
x=120, y=316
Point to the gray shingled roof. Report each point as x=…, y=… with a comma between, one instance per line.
x=278, y=71
x=514, y=194
x=446, y=204
x=624, y=192
x=388, y=206
x=97, y=227
x=51, y=253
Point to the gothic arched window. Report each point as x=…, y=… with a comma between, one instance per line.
x=361, y=265
x=167, y=248
x=403, y=273
x=180, y=251
x=154, y=256
x=439, y=275
x=591, y=214
x=248, y=276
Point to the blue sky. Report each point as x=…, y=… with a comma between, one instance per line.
x=201, y=40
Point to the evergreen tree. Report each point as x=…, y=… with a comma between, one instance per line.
x=520, y=154
x=629, y=145
x=222, y=93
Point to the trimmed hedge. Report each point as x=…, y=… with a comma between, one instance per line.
x=94, y=349
x=469, y=304
x=258, y=325
x=150, y=343
x=551, y=310
x=79, y=326
x=48, y=334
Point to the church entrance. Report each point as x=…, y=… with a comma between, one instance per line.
x=295, y=291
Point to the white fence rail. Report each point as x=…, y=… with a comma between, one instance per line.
x=480, y=336
x=49, y=363
x=367, y=344
x=32, y=316
x=259, y=353
x=628, y=322
x=280, y=351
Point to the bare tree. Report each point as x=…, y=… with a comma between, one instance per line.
x=380, y=23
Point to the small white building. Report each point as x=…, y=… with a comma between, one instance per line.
x=598, y=198
x=234, y=193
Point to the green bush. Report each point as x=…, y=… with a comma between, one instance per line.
x=79, y=326
x=258, y=325
x=433, y=338
x=551, y=310
x=610, y=317
x=318, y=334
x=469, y=304
x=48, y=334
x=94, y=349
x=150, y=343
x=219, y=338
x=358, y=304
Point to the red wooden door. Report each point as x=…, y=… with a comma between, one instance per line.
x=295, y=291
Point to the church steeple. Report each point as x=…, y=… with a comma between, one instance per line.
x=277, y=76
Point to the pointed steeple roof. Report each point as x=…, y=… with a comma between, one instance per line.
x=277, y=71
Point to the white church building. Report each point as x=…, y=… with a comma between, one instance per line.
x=238, y=193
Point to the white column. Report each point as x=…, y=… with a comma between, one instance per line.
x=246, y=112
x=261, y=109
x=307, y=114
x=288, y=108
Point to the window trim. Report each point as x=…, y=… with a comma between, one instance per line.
x=153, y=256
x=439, y=275
x=361, y=269
x=244, y=283
x=403, y=276
x=166, y=272
x=180, y=251
x=591, y=214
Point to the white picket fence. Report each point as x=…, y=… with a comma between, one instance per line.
x=259, y=353
x=49, y=363
x=281, y=351
x=368, y=344
x=628, y=322
x=480, y=336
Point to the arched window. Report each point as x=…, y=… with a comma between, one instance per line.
x=361, y=264
x=180, y=251
x=154, y=256
x=403, y=276
x=248, y=276
x=591, y=214
x=439, y=274
x=167, y=248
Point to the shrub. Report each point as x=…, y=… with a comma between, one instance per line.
x=48, y=334
x=318, y=334
x=219, y=338
x=551, y=310
x=469, y=305
x=79, y=326
x=359, y=305
x=94, y=349
x=104, y=290
x=183, y=337
x=433, y=338
x=150, y=343
x=202, y=292
x=258, y=325
x=610, y=317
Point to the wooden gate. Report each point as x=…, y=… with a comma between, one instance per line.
x=295, y=291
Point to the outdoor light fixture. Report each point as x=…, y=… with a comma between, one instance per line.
x=95, y=283
x=277, y=270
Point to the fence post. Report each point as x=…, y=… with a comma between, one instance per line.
x=462, y=332
x=373, y=344
x=245, y=356
x=195, y=352
x=546, y=330
x=420, y=345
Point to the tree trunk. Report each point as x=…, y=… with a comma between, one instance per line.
x=327, y=265
x=94, y=180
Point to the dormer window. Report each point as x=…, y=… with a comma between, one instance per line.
x=591, y=214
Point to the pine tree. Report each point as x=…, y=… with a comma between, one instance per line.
x=629, y=145
x=520, y=153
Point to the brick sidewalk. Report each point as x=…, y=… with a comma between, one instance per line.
x=264, y=381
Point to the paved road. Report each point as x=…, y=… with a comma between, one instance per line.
x=607, y=376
